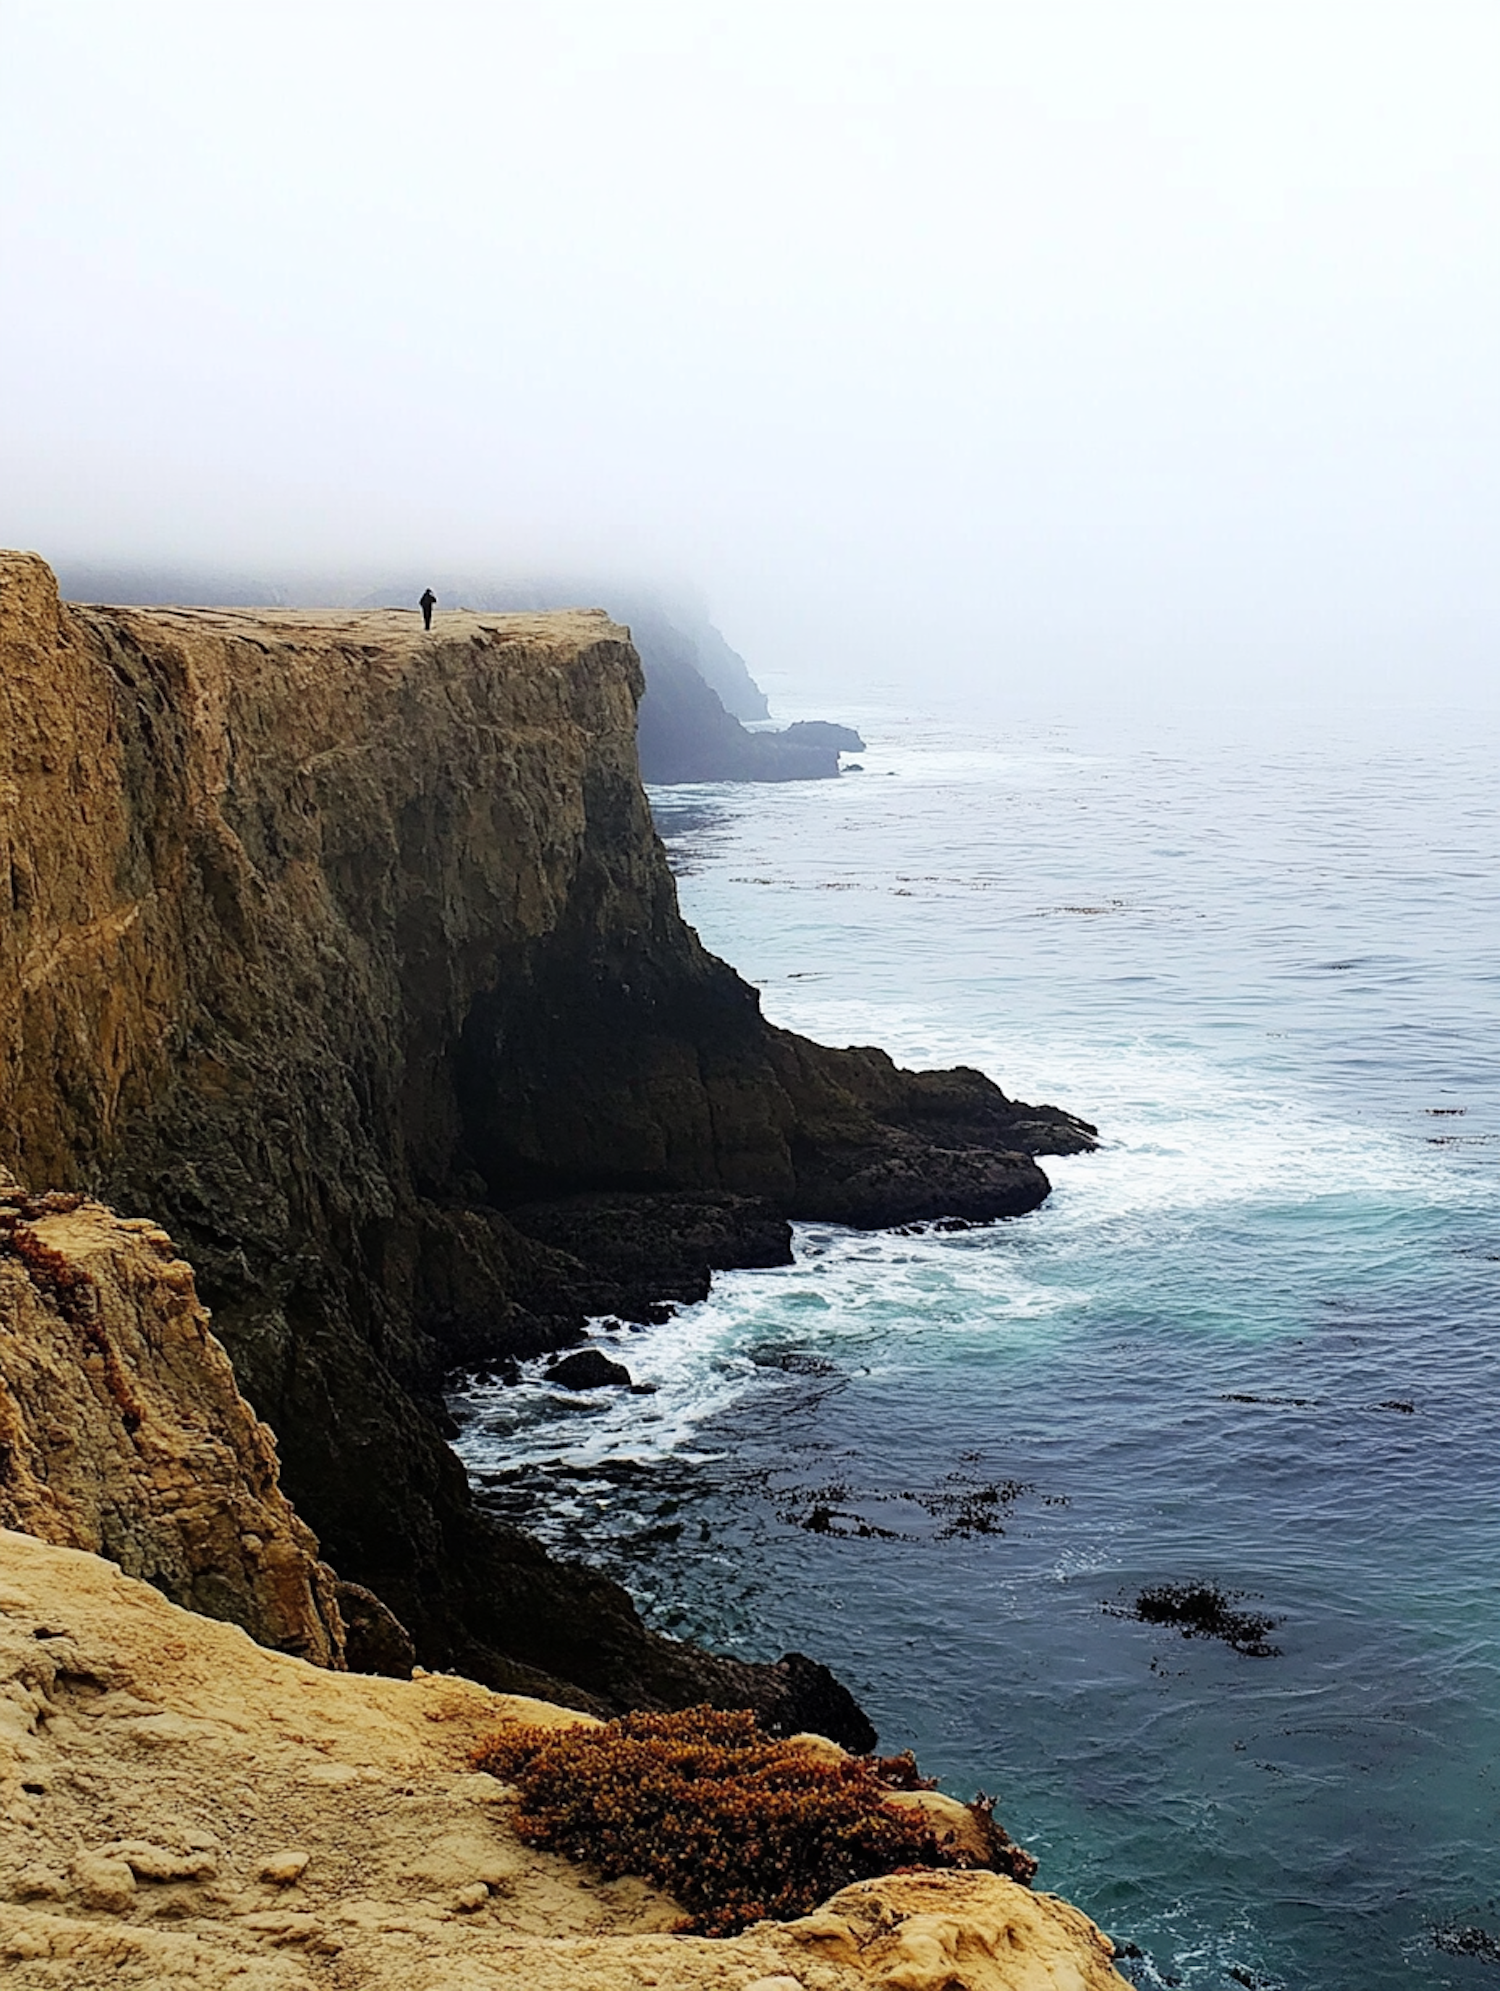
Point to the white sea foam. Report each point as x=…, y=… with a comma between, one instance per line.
x=1178, y=1132
x=1183, y=1138
x=691, y=1362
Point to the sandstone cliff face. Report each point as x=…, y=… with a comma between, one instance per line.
x=181, y=1807
x=122, y=1431
x=322, y=942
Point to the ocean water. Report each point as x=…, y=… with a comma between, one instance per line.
x=1253, y=1342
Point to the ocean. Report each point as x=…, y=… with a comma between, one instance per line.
x=1252, y=1345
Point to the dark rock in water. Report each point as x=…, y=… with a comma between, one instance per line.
x=634, y=1251
x=685, y=734
x=823, y=733
x=824, y=1707
x=589, y=1369
x=793, y=1362
x=376, y=1641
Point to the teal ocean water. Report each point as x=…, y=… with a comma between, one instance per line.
x=1253, y=1342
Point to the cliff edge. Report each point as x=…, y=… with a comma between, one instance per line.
x=179, y=1807
x=324, y=943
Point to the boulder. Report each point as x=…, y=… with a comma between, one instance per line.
x=589, y=1369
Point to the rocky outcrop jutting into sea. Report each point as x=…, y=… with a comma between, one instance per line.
x=324, y=942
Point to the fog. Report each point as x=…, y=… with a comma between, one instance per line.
x=1073, y=350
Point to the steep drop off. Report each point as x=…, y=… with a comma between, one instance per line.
x=323, y=942
x=179, y=1808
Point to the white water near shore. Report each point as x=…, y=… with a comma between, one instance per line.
x=1254, y=1340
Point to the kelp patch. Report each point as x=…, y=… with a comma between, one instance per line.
x=1204, y=1610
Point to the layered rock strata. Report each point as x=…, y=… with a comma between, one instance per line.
x=122, y=1431
x=179, y=1807
x=324, y=942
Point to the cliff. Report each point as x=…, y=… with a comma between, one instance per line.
x=179, y=1807
x=687, y=730
x=324, y=943
x=697, y=689
x=122, y=1431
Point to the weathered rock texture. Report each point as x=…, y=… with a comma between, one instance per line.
x=122, y=1431
x=179, y=1807
x=322, y=942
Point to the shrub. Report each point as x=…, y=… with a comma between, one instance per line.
x=731, y=1822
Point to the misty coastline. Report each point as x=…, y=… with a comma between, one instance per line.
x=660, y=642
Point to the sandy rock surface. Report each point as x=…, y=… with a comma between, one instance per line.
x=123, y=1432
x=180, y=1806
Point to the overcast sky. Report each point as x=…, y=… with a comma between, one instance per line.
x=1062, y=344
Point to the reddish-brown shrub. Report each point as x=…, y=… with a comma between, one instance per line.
x=733, y=1823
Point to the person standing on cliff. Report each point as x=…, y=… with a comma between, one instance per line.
x=427, y=604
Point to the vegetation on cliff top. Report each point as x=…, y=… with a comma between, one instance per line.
x=736, y=1825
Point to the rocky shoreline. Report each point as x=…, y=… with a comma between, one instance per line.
x=350, y=956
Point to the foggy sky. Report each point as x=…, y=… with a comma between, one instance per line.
x=1073, y=346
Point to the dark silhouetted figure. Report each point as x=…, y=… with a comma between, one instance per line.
x=427, y=604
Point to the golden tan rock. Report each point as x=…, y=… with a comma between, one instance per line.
x=959, y=1826
x=160, y=1774
x=122, y=1430
x=325, y=941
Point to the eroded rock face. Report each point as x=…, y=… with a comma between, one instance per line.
x=122, y=1431
x=179, y=1806
x=323, y=942
x=636, y=1252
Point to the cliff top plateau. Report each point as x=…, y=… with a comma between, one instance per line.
x=348, y=955
x=697, y=689
x=182, y=1807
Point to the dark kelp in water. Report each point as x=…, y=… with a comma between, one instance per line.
x=1466, y=1939
x=1204, y=1610
x=961, y=1506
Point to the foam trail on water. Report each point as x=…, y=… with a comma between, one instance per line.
x=1182, y=1139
